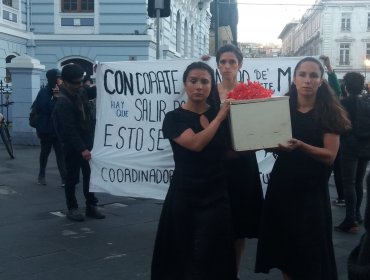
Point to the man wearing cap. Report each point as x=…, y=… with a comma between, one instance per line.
x=44, y=104
x=74, y=128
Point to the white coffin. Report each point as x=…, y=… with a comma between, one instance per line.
x=260, y=123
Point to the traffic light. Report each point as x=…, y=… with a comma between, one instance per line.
x=165, y=10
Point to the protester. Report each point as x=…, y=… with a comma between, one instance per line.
x=355, y=156
x=73, y=124
x=44, y=105
x=337, y=169
x=359, y=259
x=242, y=173
x=194, y=238
x=296, y=226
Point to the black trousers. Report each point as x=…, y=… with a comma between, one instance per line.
x=47, y=142
x=353, y=173
x=75, y=163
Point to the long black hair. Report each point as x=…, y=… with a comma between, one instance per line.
x=327, y=110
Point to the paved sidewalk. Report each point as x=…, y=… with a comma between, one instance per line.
x=38, y=243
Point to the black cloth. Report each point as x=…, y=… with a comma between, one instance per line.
x=194, y=238
x=47, y=142
x=75, y=164
x=44, y=104
x=349, y=142
x=73, y=125
x=296, y=226
x=243, y=183
x=72, y=120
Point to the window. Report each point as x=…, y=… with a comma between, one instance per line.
x=368, y=51
x=8, y=3
x=186, y=39
x=344, y=54
x=346, y=22
x=77, y=6
x=368, y=21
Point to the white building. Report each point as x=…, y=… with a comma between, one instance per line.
x=57, y=32
x=337, y=28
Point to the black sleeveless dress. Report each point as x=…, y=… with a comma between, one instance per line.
x=296, y=227
x=194, y=238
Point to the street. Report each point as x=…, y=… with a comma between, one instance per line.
x=37, y=242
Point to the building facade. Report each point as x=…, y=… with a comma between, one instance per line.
x=57, y=32
x=339, y=29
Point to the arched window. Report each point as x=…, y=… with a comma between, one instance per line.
x=8, y=76
x=178, y=33
x=186, y=39
x=85, y=64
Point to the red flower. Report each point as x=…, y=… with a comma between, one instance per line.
x=251, y=90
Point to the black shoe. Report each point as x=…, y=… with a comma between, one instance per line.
x=348, y=227
x=41, y=180
x=93, y=212
x=75, y=215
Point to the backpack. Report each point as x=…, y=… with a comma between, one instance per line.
x=361, y=123
x=34, y=116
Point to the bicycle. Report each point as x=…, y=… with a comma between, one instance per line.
x=5, y=136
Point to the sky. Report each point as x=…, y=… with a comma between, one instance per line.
x=261, y=21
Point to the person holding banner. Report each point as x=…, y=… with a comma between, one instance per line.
x=194, y=237
x=73, y=125
x=296, y=224
x=243, y=178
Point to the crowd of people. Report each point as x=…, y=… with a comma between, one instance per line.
x=215, y=199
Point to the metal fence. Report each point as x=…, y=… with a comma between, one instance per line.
x=5, y=100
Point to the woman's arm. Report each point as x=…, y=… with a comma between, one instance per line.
x=197, y=141
x=327, y=154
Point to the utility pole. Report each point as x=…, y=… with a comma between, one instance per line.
x=158, y=9
x=159, y=4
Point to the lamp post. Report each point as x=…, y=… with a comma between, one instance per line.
x=217, y=23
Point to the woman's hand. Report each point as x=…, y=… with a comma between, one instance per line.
x=205, y=57
x=291, y=145
x=325, y=154
x=224, y=110
x=325, y=59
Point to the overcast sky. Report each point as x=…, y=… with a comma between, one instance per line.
x=262, y=21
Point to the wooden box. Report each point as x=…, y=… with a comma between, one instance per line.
x=260, y=123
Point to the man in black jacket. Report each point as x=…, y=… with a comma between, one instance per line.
x=74, y=128
x=44, y=104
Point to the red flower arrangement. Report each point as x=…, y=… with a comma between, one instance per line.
x=251, y=90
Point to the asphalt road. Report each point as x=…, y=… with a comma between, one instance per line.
x=37, y=242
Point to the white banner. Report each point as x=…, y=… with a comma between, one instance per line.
x=130, y=156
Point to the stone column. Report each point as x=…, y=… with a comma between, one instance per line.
x=25, y=72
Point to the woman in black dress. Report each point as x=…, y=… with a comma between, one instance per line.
x=241, y=168
x=296, y=227
x=194, y=238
